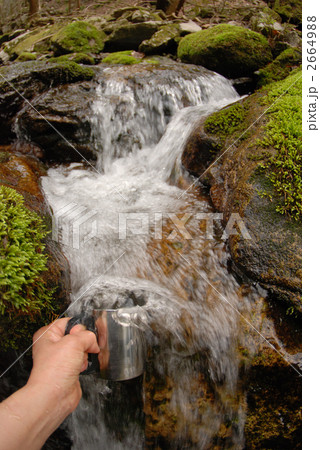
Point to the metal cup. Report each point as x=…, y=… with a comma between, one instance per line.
x=122, y=345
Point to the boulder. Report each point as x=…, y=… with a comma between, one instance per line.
x=78, y=37
x=271, y=254
x=281, y=67
x=23, y=80
x=128, y=36
x=37, y=40
x=59, y=123
x=229, y=50
x=163, y=41
x=289, y=10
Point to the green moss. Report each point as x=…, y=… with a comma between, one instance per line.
x=289, y=10
x=79, y=58
x=22, y=263
x=26, y=56
x=283, y=133
x=38, y=40
x=83, y=58
x=70, y=72
x=227, y=121
x=124, y=57
x=78, y=37
x=281, y=67
x=230, y=50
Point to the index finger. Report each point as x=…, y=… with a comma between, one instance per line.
x=53, y=332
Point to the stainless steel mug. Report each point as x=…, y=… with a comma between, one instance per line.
x=122, y=345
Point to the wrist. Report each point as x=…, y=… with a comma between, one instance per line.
x=32, y=414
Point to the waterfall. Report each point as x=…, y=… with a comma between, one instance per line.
x=125, y=243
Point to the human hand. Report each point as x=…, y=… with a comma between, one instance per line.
x=104, y=355
x=59, y=359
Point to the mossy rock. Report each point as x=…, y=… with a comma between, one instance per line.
x=79, y=58
x=250, y=155
x=37, y=40
x=32, y=77
x=124, y=57
x=281, y=67
x=289, y=10
x=229, y=50
x=69, y=72
x=78, y=37
x=26, y=56
x=164, y=40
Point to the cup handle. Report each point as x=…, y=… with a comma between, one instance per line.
x=89, y=322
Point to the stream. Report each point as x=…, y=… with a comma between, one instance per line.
x=130, y=230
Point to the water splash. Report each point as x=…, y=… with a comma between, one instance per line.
x=142, y=119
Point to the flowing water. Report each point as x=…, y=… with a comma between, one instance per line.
x=132, y=233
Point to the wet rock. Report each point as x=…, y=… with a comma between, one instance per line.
x=19, y=169
x=163, y=41
x=129, y=36
x=60, y=123
x=229, y=50
x=272, y=378
x=78, y=37
x=199, y=151
x=272, y=253
x=24, y=80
